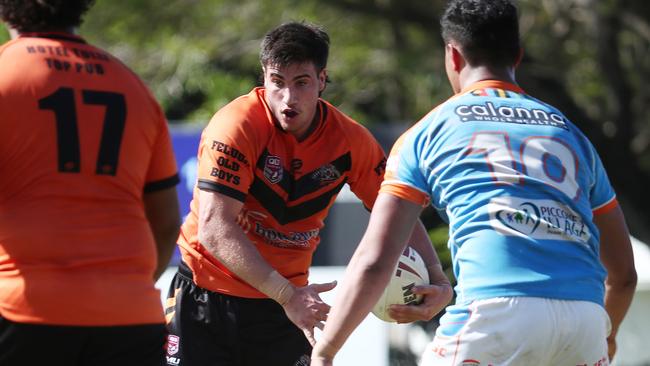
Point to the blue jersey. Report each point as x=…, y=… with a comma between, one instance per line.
x=518, y=184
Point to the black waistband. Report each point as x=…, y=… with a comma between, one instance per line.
x=185, y=271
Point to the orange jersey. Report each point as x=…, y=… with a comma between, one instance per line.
x=81, y=139
x=287, y=186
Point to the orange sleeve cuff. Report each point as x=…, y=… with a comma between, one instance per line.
x=605, y=207
x=405, y=192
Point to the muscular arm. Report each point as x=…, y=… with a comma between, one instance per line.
x=616, y=255
x=391, y=224
x=226, y=241
x=161, y=208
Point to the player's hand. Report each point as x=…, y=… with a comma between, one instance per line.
x=436, y=298
x=307, y=310
x=611, y=347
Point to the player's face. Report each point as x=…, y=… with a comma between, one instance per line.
x=292, y=94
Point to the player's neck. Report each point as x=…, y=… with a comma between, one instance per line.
x=15, y=33
x=471, y=75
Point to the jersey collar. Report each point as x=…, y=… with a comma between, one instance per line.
x=492, y=84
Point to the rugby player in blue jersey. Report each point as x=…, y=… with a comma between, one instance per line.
x=540, y=248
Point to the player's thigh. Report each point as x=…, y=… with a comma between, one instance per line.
x=268, y=337
x=32, y=344
x=201, y=331
x=131, y=345
x=500, y=331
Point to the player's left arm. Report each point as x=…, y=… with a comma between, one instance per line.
x=439, y=287
x=617, y=257
x=391, y=223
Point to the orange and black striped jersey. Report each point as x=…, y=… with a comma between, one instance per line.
x=81, y=139
x=287, y=186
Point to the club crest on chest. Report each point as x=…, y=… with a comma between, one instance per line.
x=273, y=169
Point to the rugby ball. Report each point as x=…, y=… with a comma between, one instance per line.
x=410, y=271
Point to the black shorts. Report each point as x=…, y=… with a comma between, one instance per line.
x=212, y=329
x=54, y=345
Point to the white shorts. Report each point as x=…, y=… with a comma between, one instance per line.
x=526, y=331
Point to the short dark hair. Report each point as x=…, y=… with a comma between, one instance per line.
x=295, y=42
x=43, y=15
x=487, y=31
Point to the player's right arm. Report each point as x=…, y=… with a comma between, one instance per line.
x=616, y=255
x=220, y=234
x=391, y=224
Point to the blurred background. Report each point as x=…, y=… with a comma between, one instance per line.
x=589, y=58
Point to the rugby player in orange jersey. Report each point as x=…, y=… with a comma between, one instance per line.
x=88, y=207
x=270, y=166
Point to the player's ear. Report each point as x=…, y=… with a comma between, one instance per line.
x=263, y=76
x=322, y=80
x=456, y=57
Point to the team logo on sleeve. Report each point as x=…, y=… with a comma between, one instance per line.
x=273, y=169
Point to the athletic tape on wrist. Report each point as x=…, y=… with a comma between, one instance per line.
x=277, y=288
